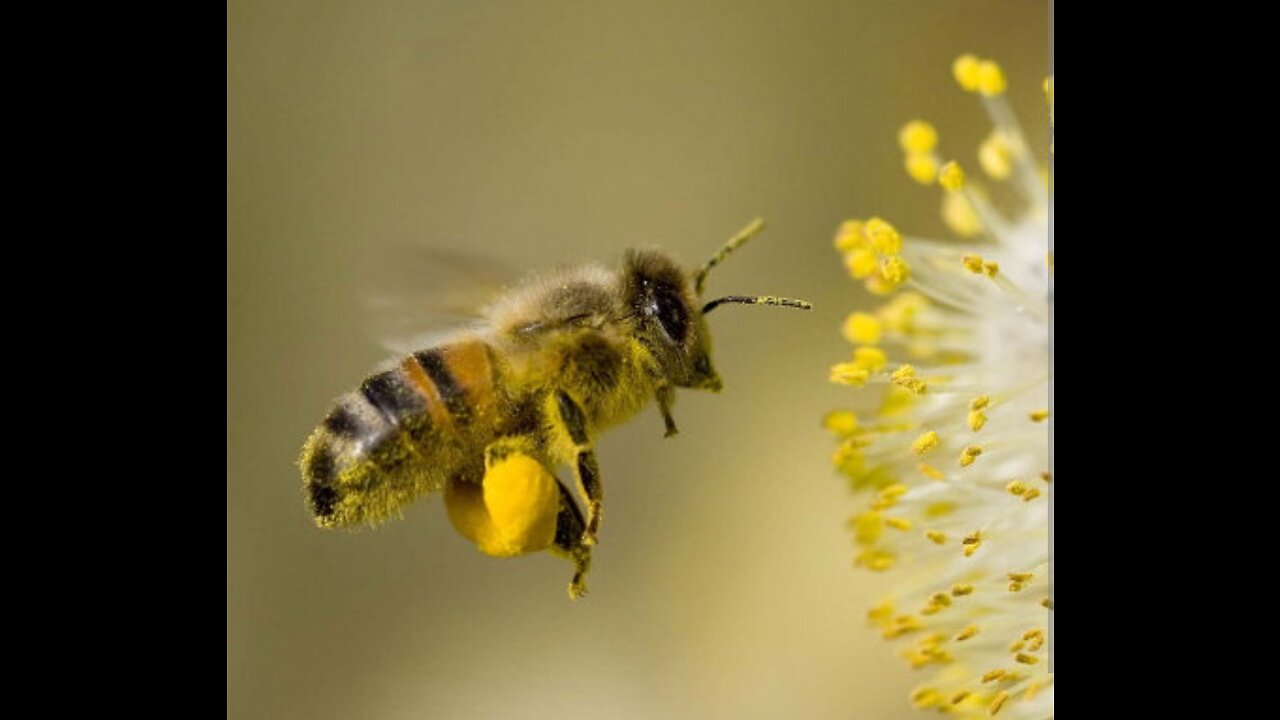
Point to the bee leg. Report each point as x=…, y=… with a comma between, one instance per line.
x=568, y=543
x=666, y=397
x=585, y=467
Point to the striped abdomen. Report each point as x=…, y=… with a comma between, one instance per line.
x=403, y=433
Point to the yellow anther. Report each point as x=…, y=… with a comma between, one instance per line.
x=898, y=523
x=969, y=454
x=884, y=237
x=1016, y=488
x=961, y=589
x=991, y=80
x=1032, y=634
x=930, y=471
x=980, y=403
x=1016, y=645
x=960, y=697
x=960, y=216
x=1035, y=643
x=996, y=156
x=966, y=633
x=940, y=598
x=902, y=625
x=840, y=422
x=1026, y=659
x=951, y=177
x=849, y=236
x=1033, y=689
x=872, y=359
x=917, y=136
x=1015, y=586
x=861, y=263
x=972, y=263
x=1045, y=602
x=1030, y=494
x=880, y=614
x=867, y=527
x=939, y=509
x=972, y=538
x=997, y=702
x=926, y=698
x=1045, y=476
x=1020, y=576
x=875, y=560
x=969, y=550
x=990, y=268
x=895, y=270
x=993, y=675
x=921, y=167
x=1039, y=415
x=936, y=536
x=862, y=328
x=966, y=71
x=977, y=419
x=925, y=443
x=905, y=377
x=848, y=374
x=893, y=492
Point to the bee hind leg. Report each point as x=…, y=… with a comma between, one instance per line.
x=585, y=466
x=569, y=544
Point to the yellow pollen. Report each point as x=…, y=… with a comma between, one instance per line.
x=997, y=702
x=940, y=598
x=884, y=237
x=993, y=675
x=902, y=625
x=977, y=419
x=921, y=167
x=848, y=374
x=1032, y=634
x=972, y=263
x=1021, y=576
x=871, y=359
x=905, y=377
x=972, y=538
x=966, y=633
x=961, y=589
x=925, y=698
x=861, y=263
x=960, y=216
x=936, y=536
x=861, y=327
x=1026, y=659
x=996, y=156
x=1016, y=645
x=930, y=471
x=898, y=523
x=960, y=697
x=1030, y=494
x=918, y=136
x=840, y=422
x=969, y=550
x=966, y=71
x=1015, y=586
x=1016, y=488
x=849, y=236
x=925, y=443
x=951, y=177
x=969, y=454
x=991, y=80
x=1039, y=415
x=990, y=268
x=895, y=270
x=980, y=403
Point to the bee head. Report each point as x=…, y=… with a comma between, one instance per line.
x=660, y=296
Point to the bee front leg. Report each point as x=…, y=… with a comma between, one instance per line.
x=666, y=397
x=585, y=467
x=568, y=543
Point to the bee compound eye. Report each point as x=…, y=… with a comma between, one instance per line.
x=671, y=314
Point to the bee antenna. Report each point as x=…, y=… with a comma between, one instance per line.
x=753, y=228
x=757, y=300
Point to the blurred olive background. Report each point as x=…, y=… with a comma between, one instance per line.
x=550, y=132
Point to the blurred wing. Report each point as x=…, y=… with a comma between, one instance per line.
x=418, y=294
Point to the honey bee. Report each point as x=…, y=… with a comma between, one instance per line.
x=488, y=414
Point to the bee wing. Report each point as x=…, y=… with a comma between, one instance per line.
x=419, y=293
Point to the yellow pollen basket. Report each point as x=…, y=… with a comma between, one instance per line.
x=512, y=513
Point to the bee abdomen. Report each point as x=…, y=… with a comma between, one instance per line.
x=400, y=435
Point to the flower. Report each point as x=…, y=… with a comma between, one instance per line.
x=954, y=465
